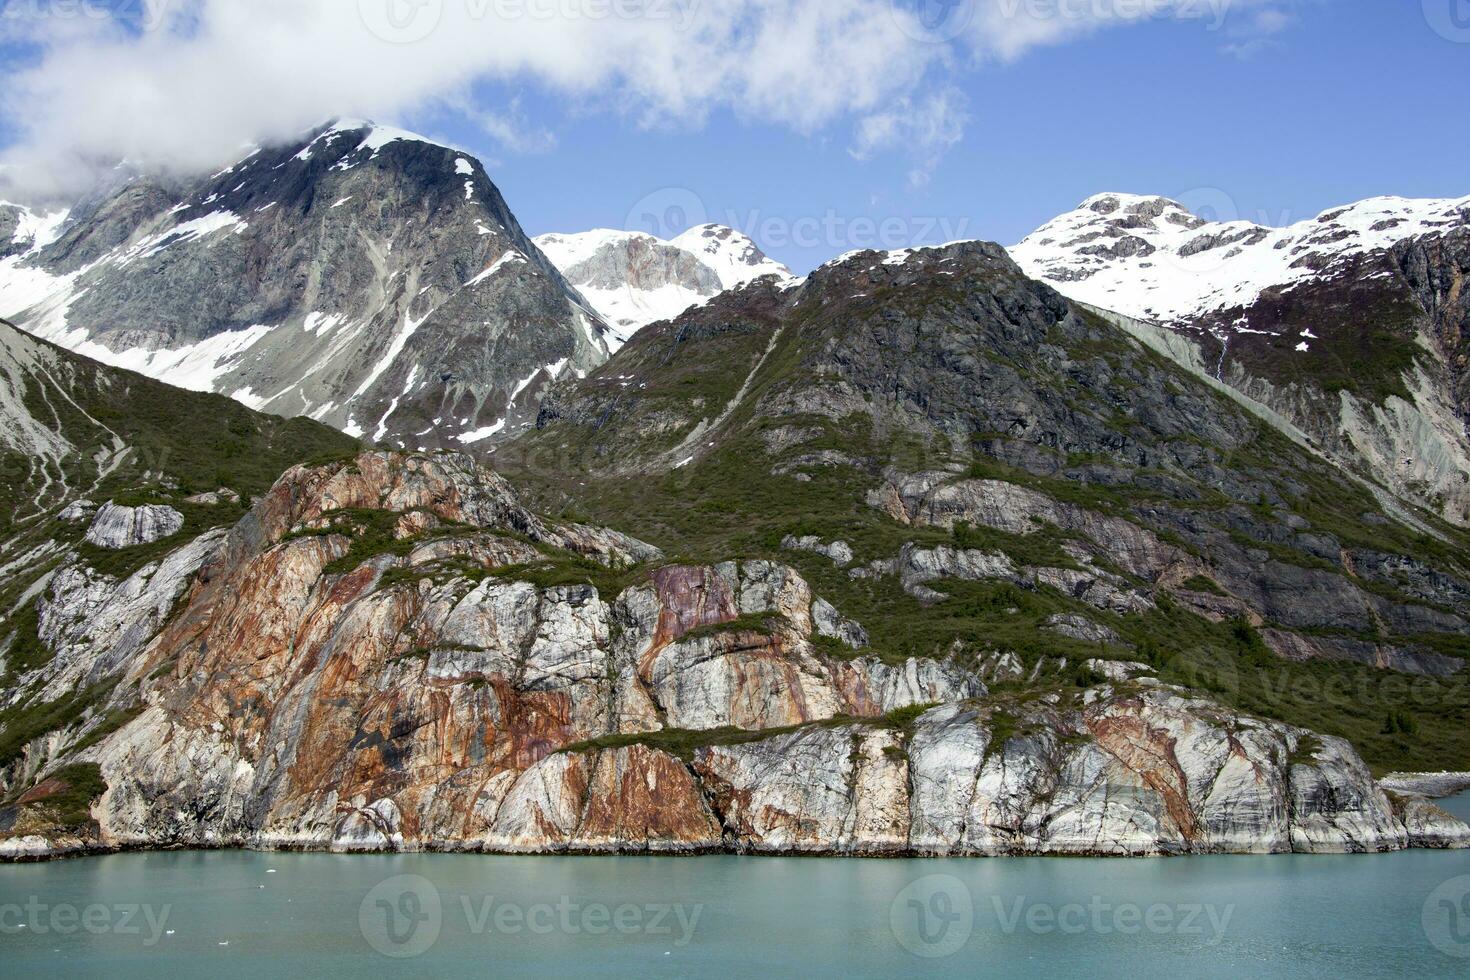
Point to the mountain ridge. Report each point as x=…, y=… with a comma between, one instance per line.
x=362, y=276
x=995, y=576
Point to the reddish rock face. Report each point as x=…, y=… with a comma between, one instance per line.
x=422, y=697
x=690, y=598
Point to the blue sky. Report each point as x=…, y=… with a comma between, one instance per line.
x=1284, y=109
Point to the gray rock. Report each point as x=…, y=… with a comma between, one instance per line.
x=77, y=510
x=1081, y=628
x=840, y=552
x=126, y=527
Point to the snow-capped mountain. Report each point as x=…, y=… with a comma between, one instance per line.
x=364, y=276
x=633, y=279
x=1353, y=325
x=1150, y=258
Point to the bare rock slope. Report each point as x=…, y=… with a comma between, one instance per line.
x=392, y=652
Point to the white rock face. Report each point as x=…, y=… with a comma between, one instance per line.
x=126, y=527
x=840, y=552
x=77, y=510
x=95, y=624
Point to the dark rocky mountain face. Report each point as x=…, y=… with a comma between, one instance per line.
x=1350, y=325
x=960, y=428
x=364, y=277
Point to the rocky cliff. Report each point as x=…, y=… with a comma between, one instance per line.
x=962, y=568
x=955, y=454
x=393, y=653
x=363, y=276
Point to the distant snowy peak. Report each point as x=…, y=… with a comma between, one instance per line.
x=1150, y=258
x=733, y=256
x=633, y=279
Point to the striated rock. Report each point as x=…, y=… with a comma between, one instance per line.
x=1405, y=659
x=915, y=566
x=821, y=790
x=1081, y=628
x=1019, y=510
x=1431, y=784
x=323, y=688
x=95, y=624
x=214, y=498
x=125, y=527
x=1426, y=824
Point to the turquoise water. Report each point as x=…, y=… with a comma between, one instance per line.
x=440, y=915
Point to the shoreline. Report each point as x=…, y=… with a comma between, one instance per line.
x=88, y=850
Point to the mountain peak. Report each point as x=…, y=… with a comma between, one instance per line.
x=362, y=275
x=632, y=278
x=1149, y=257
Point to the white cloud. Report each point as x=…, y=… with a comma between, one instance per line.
x=510, y=128
x=215, y=73
x=1257, y=34
x=927, y=128
x=1007, y=29
x=203, y=76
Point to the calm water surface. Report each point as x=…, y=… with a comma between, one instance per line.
x=236, y=914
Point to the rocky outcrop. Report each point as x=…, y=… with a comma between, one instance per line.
x=1430, y=784
x=119, y=527
x=840, y=552
x=441, y=683
x=94, y=624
